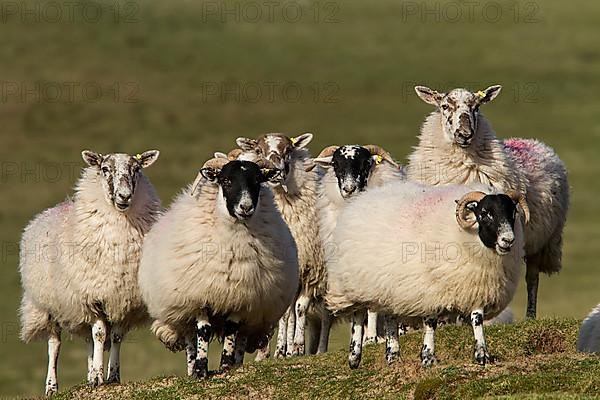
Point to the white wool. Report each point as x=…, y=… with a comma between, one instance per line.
x=400, y=250
x=79, y=260
x=589, y=333
x=196, y=258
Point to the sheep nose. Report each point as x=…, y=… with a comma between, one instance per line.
x=348, y=189
x=124, y=197
x=246, y=208
x=508, y=240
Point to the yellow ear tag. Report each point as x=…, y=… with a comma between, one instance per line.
x=294, y=140
x=481, y=94
x=378, y=160
x=265, y=170
x=138, y=156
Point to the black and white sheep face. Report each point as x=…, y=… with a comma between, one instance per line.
x=459, y=109
x=496, y=215
x=352, y=165
x=274, y=148
x=119, y=174
x=239, y=186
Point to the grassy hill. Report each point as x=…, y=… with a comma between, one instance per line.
x=177, y=77
x=535, y=360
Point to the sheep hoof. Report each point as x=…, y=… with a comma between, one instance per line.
x=482, y=357
x=298, y=350
x=95, y=379
x=391, y=356
x=51, y=389
x=428, y=359
x=279, y=353
x=200, y=369
x=370, y=340
x=354, y=362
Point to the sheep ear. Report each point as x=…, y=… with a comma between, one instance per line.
x=428, y=95
x=246, y=144
x=302, y=141
x=219, y=154
x=147, y=158
x=489, y=94
x=472, y=206
x=210, y=174
x=92, y=159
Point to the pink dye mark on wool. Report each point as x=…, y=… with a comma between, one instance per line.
x=61, y=209
x=523, y=149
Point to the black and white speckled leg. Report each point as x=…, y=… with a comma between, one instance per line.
x=428, y=357
x=203, y=334
x=481, y=354
x=392, y=344
x=232, y=327
x=402, y=329
x=371, y=329
x=53, y=352
x=302, y=304
x=358, y=323
x=240, y=349
x=99, y=332
x=281, y=345
x=190, y=353
x=291, y=330
x=114, y=362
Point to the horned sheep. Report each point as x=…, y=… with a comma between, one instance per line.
x=79, y=262
x=458, y=145
x=421, y=252
x=221, y=258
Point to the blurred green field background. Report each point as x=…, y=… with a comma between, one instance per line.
x=177, y=77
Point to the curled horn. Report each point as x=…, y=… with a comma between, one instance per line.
x=214, y=163
x=326, y=152
x=520, y=199
x=234, y=154
x=461, y=208
x=379, y=151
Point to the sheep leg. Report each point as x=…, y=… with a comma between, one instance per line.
x=532, y=278
x=371, y=331
x=232, y=327
x=203, y=334
x=190, y=353
x=53, y=351
x=90, y=359
x=358, y=322
x=314, y=332
x=291, y=329
x=326, y=320
x=428, y=358
x=98, y=338
x=114, y=362
x=392, y=343
x=240, y=349
x=402, y=329
x=299, y=338
x=280, y=348
x=481, y=353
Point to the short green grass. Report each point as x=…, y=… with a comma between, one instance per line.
x=372, y=56
x=534, y=359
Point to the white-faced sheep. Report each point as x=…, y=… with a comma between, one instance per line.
x=349, y=170
x=589, y=333
x=458, y=145
x=422, y=252
x=221, y=254
x=79, y=262
x=296, y=197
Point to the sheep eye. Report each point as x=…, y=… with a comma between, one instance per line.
x=105, y=170
x=226, y=182
x=445, y=107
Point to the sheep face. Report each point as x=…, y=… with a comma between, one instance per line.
x=239, y=186
x=276, y=148
x=495, y=214
x=459, y=109
x=119, y=174
x=352, y=165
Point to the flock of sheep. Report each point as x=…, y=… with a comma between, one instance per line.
x=268, y=236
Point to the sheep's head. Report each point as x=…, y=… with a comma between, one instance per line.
x=459, y=109
x=239, y=185
x=119, y=174
x=353, y=165
x=495, y=215
x=275, y=148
